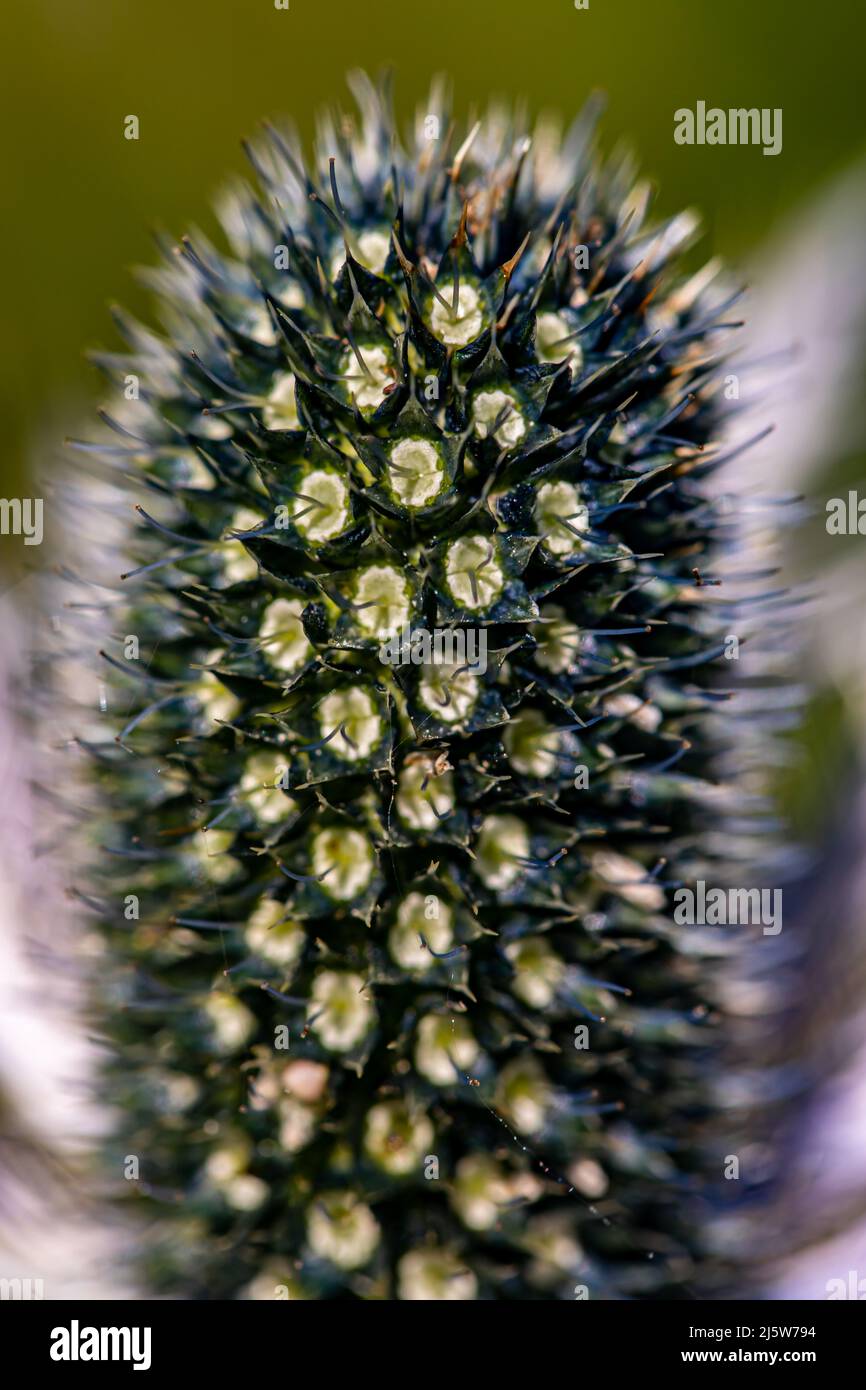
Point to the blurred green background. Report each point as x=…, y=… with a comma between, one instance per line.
x=200, y=74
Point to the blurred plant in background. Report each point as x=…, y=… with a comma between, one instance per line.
x=806, y=1010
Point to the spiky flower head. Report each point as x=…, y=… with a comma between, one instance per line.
x=418, y=733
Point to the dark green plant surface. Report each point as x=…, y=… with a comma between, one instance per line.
x=378, y=903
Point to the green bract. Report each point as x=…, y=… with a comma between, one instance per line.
x=401, y=1010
